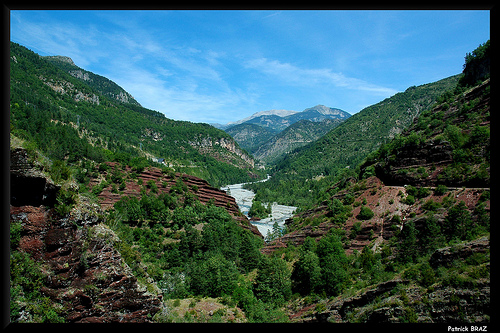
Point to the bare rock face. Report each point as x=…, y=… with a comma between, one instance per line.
x=209, y=145
x=446, y=255
x=63, y=59
x=84, y=271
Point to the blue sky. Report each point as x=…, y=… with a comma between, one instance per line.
x=221, y=66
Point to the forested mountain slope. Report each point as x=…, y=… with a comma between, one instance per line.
x=104, y=85
x=74, y=118
x=250, y=136
x=294, y=136
x=99, y=235
x=412, y=245
x=303, y=174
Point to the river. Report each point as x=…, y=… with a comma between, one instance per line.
x=244, y=198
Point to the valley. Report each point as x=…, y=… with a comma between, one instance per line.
x=269, y=135
x=244, y=198
x=378, y=217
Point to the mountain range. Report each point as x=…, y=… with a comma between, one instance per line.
x=89, y=116
x=268, y=135
x=278, y=120
x=393, y=224
x=342, y=148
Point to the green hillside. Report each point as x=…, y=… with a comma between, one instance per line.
x=303, y=174
x=102, y=84
x=71, y=119
x=250, y=136
x=407, y=237
x=294, y=136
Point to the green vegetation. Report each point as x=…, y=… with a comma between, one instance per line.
x=259, y=135
x=45, y=110
x=365, y=213
x=215, y=262
x=26, y=282
x=292, y=137
x=303, y=176
x=259, y=210
x=192, y=251
x=477, y=65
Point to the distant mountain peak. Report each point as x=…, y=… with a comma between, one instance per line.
x=325, y=110
x=273, y=112
x=319, y=107
x=278, y=120
x=62, y=59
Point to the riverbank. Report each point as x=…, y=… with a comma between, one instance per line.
x=244, y=198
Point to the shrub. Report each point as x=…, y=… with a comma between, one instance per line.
x=103, y=167
x=365, y=213
x=396, y=219
x=348, y=199
x=431, y=205
x=427, y=275
x=458, y=223
x=355, y=229
x=59, y=171
x=339, y=212
x=409, y=200
x=15, y=233
x=66, y=199
x=152, y=186
x=455, y=136
x=440, y=189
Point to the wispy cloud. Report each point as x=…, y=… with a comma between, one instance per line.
x=294, y=75
x=272, y=14
x=225, y=65
x=59, y=39
x=183, y=82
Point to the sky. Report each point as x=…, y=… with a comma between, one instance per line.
x=218, y=66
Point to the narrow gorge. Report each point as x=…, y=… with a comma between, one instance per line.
x=244, y=198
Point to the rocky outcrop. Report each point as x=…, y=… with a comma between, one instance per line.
x=65, y=87
x=164, y=182
x=428, y=154
x=79, y=74
x=445, y=256
x=60, y=58
x=399, y=300
x=83, y=270
x=28, y=183
x=209, y=145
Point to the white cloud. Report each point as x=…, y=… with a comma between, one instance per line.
x=306, y=77
x=196, y=81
